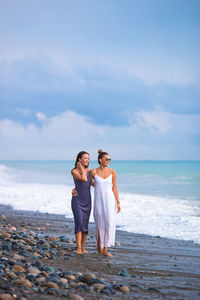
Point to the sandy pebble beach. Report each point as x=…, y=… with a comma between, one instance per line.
x=38, y=261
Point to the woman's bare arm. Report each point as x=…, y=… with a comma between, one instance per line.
x=79, y=173
x=92, y=174
x=115, y=190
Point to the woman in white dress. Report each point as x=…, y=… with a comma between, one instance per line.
x=106, y=200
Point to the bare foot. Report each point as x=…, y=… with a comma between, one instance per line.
x=79, y=252
x=84, y=251
x=107, y=254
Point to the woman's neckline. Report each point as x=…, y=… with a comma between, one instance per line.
x=103, y=177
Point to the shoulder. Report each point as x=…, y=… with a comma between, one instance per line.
x=74, y=171
x=92, y=172
x=113, y=172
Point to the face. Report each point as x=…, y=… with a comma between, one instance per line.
x=105, y=160
x=85, y=160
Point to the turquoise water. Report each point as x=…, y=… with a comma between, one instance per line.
x=171, y=178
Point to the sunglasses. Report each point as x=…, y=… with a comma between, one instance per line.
x=108, y=159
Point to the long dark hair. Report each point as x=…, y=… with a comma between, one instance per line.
x=79, y=155
x=101, y=154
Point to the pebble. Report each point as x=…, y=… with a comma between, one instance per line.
x=76, y=297
x=17, y=256
x=32, y=233
x=98, y=286
x=7, y=246
x=19, y=268
x=117, y=244
x=13, y=228
x=124, y=289
x=2, y=217
x=27, y=254
x=124, y=272
x=33, y=270
x=48, y=255
x=153, y=289
x=28, y=241
x=37, y=254
x=42, y=253
x=88, y=276
x=53, y=278
x=53, y=238
x=49, y=269
x=41, y=279
x=70, y=277
x=23, y=282
x=30, y=250
x=5, y=235
x=38, y=264
x=69, y=241
x=5, y=297
x=51, y=285
x=11, y=274
x=64, y=280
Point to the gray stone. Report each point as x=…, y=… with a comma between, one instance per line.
x=153, y=289
x=49, y=269
x=7, y=246
x=27, y=254
x=124, y=272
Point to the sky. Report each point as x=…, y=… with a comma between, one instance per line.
x=123, y=76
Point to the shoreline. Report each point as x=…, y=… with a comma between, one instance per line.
x=154, y=267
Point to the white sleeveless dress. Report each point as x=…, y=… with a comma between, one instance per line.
x=104, y=210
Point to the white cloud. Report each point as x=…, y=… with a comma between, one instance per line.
x=150, y=135
x=155, y=120
x=154, y=71
x=41, y=117
x=60, y=70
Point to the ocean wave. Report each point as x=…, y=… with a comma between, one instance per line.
x=6, y=175
x=165, y=216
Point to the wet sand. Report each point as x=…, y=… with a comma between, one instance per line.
x=155, y=268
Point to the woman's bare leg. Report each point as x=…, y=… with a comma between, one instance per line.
x=105, y=252
x=78, y=242
x=99, y=244
x=83, y=242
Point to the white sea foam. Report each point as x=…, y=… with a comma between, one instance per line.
x=6, y=175
x=166, y=217
x=163, y=216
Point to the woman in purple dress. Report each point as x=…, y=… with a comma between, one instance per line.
x=81, y=204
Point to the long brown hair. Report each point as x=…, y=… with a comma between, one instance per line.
x=79, y=155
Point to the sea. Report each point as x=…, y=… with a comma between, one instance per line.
x=158, y=198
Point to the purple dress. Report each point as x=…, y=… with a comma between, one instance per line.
x=81, y=205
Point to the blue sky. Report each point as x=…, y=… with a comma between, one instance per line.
x=119, y=75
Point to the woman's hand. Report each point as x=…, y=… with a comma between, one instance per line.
x=74, y=193
x=79, y=166
x=92, y=182
x=118, y=207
